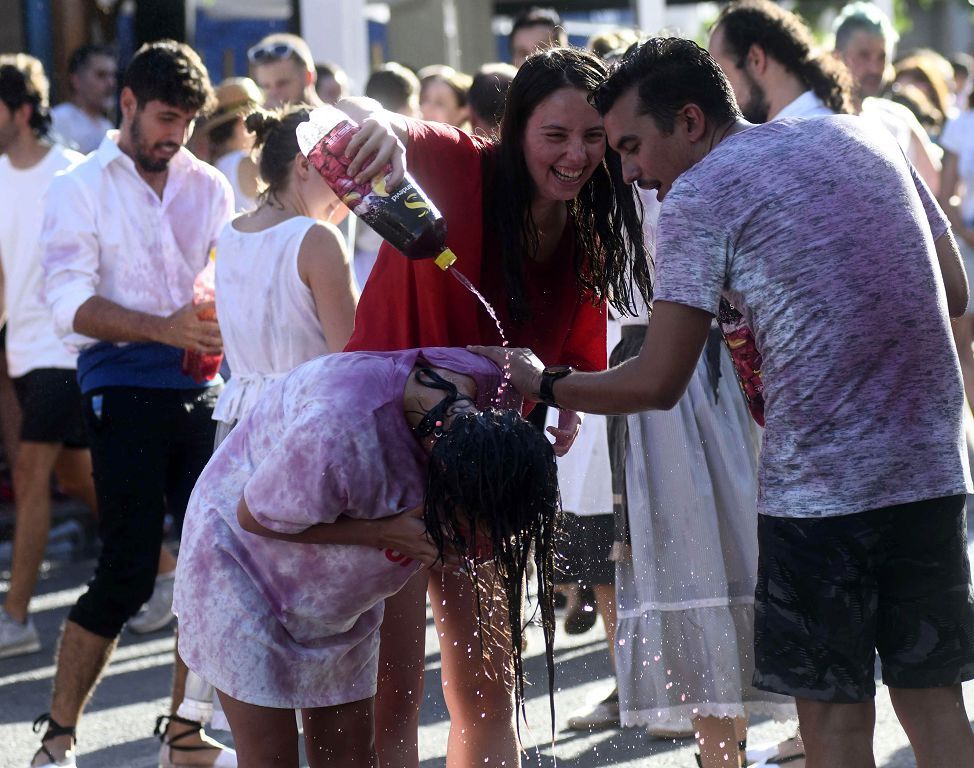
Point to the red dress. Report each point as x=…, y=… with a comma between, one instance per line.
x=409, y=304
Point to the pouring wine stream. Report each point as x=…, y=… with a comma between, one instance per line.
x=506, y=371
x=404, y=217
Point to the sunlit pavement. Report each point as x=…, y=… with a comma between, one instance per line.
x=117, y=729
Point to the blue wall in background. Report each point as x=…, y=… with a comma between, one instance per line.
x=215, y=37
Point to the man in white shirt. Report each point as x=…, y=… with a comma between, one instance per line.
x=81, y=122
x=768, y=55
x=52, y=435
x=125, y=233
x=864, y=42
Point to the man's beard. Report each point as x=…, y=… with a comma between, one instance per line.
x=143, y=158
x=757, y=108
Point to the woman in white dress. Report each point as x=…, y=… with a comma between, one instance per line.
x=687, y=560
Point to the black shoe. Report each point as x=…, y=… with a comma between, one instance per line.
x=583, y=616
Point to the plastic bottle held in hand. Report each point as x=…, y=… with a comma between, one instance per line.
x=744, y=353
x=405, y=217
x=204, y=367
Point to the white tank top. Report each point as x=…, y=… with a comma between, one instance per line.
x=229, y=166
x=266, y=313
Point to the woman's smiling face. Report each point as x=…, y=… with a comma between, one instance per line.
x=564, y=142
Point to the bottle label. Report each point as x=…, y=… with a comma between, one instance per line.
x=745, y=356
x=403, y=216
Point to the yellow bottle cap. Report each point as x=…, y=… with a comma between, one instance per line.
x=445, y=259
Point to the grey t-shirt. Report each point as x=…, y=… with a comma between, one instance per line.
x=823, y=235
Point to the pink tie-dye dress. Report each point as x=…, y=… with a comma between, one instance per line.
x=289, y=625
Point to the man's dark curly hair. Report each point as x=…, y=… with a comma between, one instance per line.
x=22, y=81
x=492, y=488
x=785, y=38
x=669, y=73
x=172, y=73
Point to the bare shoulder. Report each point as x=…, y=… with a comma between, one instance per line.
x=323, y=240
x=322, y=252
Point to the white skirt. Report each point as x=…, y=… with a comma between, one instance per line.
x=686, y=595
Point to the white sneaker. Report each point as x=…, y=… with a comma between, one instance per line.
x=788, y=752
x=157, y=612
x=17, y=639
x=67, y=762
x=604, y=715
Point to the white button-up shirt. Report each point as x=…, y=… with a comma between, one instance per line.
x=107, y=233
x=806, y=105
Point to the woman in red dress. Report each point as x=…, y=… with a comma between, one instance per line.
x=544, y=227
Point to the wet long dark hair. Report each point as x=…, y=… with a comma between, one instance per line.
x=493, y=489
x=610, y=256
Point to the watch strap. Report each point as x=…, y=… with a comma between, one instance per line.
x=547, y=388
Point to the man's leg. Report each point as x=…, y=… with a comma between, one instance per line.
x=81, y=658
x=837, y=735
x=815, y=618
x=10, y=416
x=192, y=431
x=926, y=641
x=127, y=435
x=32, y=491
x=52, y=418
x=936, y=723
x=73, y=472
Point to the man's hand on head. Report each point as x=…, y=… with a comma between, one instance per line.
x=524, y=366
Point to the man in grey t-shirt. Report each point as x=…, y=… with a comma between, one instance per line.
x=846, y=272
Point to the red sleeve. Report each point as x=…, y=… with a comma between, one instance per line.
x=409, y=304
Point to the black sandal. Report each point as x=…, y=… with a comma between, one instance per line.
x=54, y=729
x=195, y=726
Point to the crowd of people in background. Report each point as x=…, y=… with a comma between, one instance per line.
x=146, y=168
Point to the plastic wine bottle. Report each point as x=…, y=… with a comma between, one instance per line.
x=204, y=367
x=745, y=356
x=403, y=216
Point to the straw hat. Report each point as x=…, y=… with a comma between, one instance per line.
x=235, y=96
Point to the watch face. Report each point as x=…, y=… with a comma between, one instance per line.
x=558, y=370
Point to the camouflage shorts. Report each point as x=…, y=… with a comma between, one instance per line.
x=833, y=591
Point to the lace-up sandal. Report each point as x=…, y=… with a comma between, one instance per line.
x=172, y=754
x=54, y=730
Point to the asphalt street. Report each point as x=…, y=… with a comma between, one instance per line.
x=116, y=731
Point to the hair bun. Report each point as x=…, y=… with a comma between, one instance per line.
x=261, y=124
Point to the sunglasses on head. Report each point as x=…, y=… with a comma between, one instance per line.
x=261, y=54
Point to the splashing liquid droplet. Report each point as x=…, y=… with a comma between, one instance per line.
x=462, y=279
